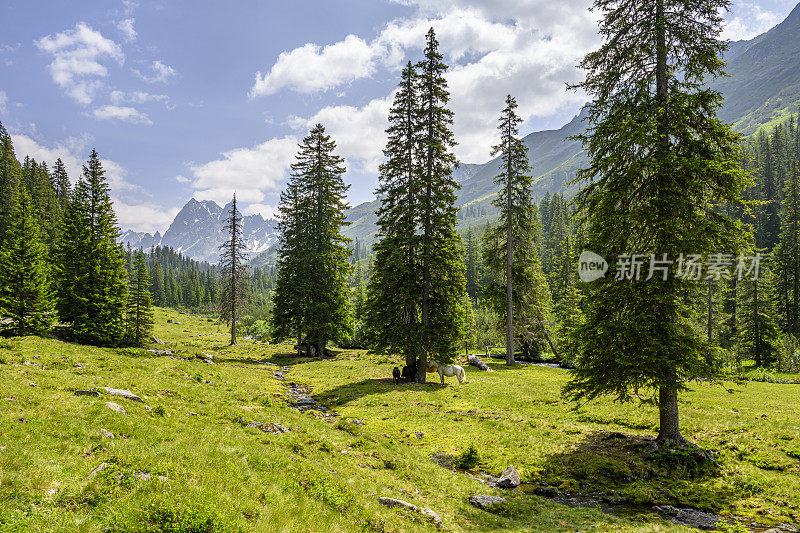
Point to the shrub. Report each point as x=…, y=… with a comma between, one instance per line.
x=468, y=459
x=168, y=516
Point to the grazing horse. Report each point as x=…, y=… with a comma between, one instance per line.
x=450, y=371
x=396, y=375
x=408, y=374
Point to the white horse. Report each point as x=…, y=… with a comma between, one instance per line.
x=450, y=371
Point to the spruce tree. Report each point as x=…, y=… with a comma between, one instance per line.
x=91, y=266
x=25, y=296
x=9, y=180
x=758, y=336
x=441, y=310
x=315, y=248
x=61, y=181
x=787, y=253
x=512, y=253
x=290, y=291
x=659, y=161
x=139, y=312
x=233, y=264
x=472, y=266
x=395, y=292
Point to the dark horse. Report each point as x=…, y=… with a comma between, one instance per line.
x=407, y=375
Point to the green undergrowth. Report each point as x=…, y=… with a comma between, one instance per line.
x=185, y=460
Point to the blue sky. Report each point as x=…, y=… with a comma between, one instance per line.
x=198, y=98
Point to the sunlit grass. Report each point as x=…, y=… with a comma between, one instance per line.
x=207, y=470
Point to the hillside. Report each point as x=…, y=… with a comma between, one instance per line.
x=190, y=458
x=763, y=87
x=764, y=77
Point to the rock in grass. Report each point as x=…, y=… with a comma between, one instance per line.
x=124, y=393
x=431, y=515
x=86, y=393
x=485, y=502
x=116, y=407
x=97, y=469
x=157, y=340
x=106, y=434
x=509, y=479
x=269, y=427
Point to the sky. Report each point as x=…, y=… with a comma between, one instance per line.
x=202, y=99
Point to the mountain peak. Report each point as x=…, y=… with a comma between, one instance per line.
x=196, y=232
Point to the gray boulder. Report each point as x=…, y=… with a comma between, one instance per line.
x=269, y=427
x=431, y=515
x=485, y=502
x=124, y=393
x=117, y=408
x=509, y=479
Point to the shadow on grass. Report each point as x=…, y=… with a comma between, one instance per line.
x=629, y=468
x=349, y=392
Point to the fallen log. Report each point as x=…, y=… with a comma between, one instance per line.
x=475, y=361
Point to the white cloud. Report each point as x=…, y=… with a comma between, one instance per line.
x=67, y=150
x=142, y=216
x=137, y=97
x=182, y=179
x=122, y=113
x=249, y=172
x=311, y=68
x=359, y=132
x=3, y=102
x=265, y=210
x=161, y=73
x=125, y=27
x=528, y=49
x=77, y=54
x=748, y=21
x=74, y=152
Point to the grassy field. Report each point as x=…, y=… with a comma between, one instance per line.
x=184, y=460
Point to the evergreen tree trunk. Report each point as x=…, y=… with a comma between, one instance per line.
x=509, y=264
x=669, y=428
x=710, y=313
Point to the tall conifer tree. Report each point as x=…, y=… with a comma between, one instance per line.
x=139, y=312
x=25, y=296
x=787, y=253
x=315, y=248
x=92, y=285
x=394, y=292
x=9, y=180
x=233, y=263
x=660, y=160
x=512, y=251
x=441, y=310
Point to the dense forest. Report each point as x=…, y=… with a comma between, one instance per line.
x=748, y=321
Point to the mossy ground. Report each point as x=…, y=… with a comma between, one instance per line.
x=207, y=472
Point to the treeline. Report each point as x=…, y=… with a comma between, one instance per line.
x=184, y=283
x=61, y=264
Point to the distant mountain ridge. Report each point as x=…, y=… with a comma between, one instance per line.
x=196, y=232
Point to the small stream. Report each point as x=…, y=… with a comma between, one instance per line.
x=682, y=516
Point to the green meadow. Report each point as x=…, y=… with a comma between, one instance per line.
x=184, y=460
